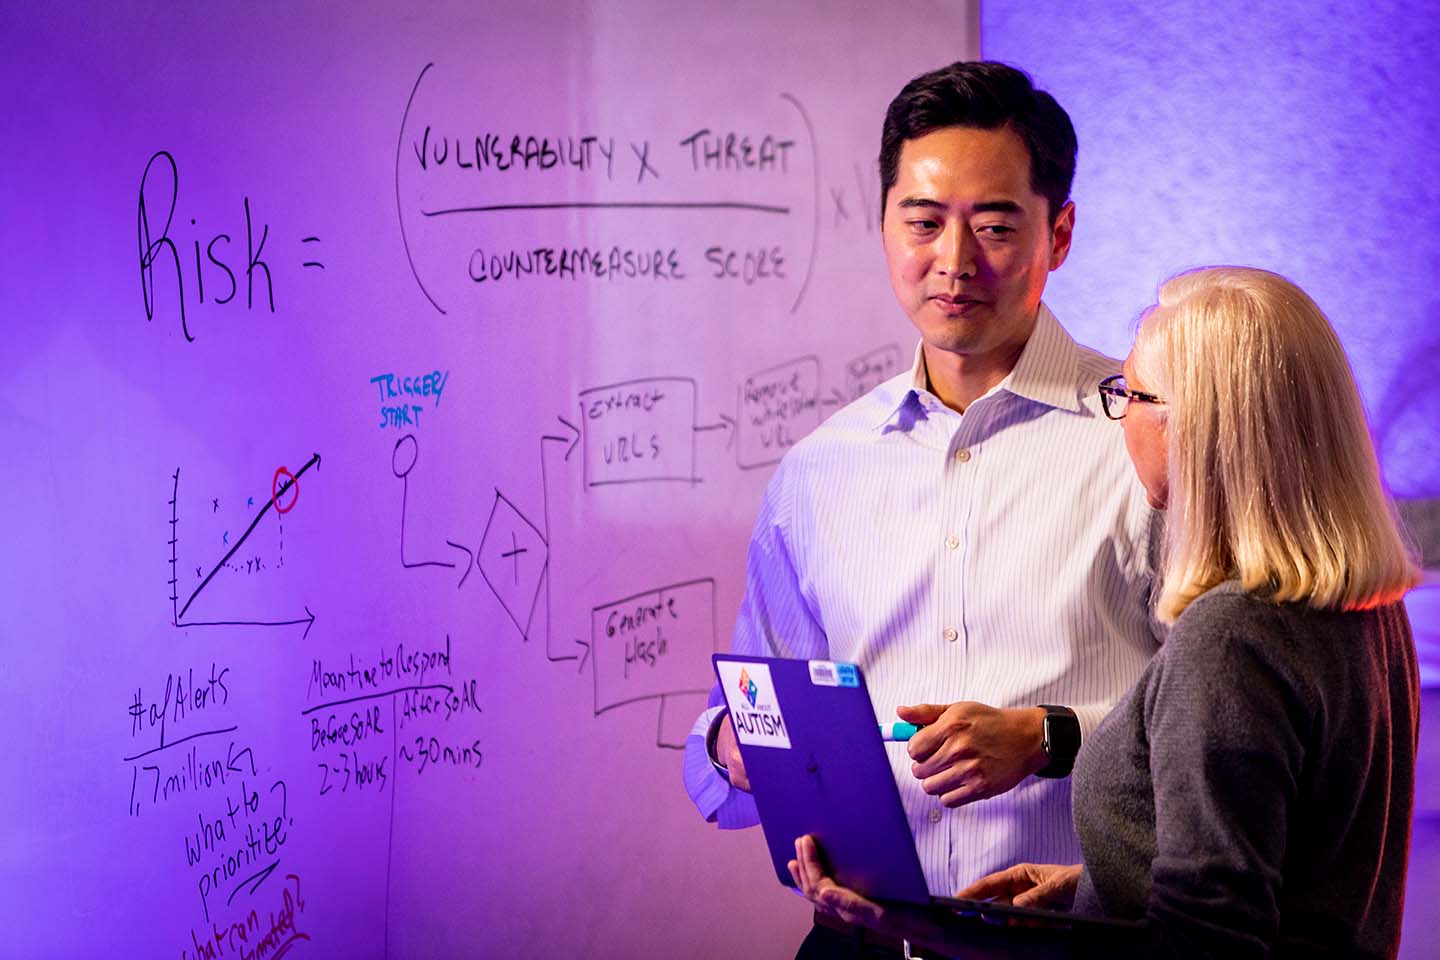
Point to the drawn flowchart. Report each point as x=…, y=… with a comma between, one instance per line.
x=653, y=644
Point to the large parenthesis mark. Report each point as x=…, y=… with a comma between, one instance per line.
x=399, y=210
x=815, y=200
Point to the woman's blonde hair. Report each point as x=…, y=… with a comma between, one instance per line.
x=1273, y=476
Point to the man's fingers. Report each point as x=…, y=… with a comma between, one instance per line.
x=954, y=787
x=948, y=757
x=948, y=736
x=924, y=743
x=920, y=713
x=966, y=793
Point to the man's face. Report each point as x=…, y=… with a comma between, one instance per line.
x=968, y=242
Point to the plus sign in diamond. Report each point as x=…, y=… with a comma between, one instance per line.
x=513, y=558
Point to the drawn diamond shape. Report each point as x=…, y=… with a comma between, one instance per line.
x=513, y=559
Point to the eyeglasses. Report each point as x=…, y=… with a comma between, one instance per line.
x=1115, y=397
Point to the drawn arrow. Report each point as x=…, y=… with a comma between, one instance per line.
x=253, y=882
x=584, y=658
x=835, y=399
x=572, y=440
x=308, y=620
x=469, y=561
x=726, y=423
x=231, y=755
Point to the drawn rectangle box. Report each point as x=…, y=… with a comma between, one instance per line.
x=653, y=644
x=778, y=406
x=869, y=370
x=639, y=430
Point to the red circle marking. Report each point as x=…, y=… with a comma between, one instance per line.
x=275, y=490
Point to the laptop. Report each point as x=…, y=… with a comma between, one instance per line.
x=817, y=765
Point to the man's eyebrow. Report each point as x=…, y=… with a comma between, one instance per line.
x=920, y=202
x=987, y=206
x=998, y=206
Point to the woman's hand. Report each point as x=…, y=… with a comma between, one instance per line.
x=1048, y=886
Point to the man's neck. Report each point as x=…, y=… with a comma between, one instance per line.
x=961, y=379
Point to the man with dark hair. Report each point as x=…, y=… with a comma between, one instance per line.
x=970, y=532
x=987, y=96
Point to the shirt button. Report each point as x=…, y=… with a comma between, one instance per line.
x=952, y=634
x=962, y=455
x=952, y=542
x=935, y=815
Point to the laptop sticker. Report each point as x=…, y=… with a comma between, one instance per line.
x=827, y=673
x=754, y=707
x=822, y=674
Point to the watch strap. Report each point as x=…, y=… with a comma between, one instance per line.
x=1061, y=740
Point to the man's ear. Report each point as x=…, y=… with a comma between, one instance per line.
x=1060, y=233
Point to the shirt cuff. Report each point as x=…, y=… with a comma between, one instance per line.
x=1089, y=715
x=717, y=801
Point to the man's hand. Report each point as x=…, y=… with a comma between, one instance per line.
x=969, y=751
x=727, y=751
x=1048, y=886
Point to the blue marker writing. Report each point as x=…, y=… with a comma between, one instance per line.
x=898, y=731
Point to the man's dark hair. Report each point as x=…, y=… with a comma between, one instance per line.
x=987, y=96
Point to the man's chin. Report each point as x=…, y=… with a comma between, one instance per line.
x=953, y=338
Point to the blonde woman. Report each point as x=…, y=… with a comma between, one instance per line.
x=1252, y=795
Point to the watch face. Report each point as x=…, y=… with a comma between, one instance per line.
x=1061, y=740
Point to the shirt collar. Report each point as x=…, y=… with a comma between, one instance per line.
x=1046, y=372
x=1049, y=366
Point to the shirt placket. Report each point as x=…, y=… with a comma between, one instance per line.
x=955, y=540
x=953, y=588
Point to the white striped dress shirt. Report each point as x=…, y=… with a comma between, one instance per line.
x=999, y=556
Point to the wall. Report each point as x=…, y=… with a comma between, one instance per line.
x=367, y=544
x=1294, y=136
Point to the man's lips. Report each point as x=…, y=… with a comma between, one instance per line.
x=955, y=303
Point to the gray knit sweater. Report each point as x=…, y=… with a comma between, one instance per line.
x=1252, y=794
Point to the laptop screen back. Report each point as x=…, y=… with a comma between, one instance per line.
x=816, y=763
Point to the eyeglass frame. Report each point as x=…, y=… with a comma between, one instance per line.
x=1109, y=390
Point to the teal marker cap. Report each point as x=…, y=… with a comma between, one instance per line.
x=898, y=731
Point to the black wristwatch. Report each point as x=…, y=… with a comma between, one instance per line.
x=711, y=735
x=1061, y=741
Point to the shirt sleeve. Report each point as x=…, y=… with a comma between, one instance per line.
x=1146, y=528
x=774, y=620
x=1226, y=728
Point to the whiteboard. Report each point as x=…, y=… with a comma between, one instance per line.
x=389, y=395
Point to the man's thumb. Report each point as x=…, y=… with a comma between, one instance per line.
x=920, y=713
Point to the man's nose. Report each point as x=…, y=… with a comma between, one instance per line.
x=955, y=257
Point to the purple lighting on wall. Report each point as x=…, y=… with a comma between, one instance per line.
x=1293, y=136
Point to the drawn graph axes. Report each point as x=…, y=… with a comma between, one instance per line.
x=179, y=616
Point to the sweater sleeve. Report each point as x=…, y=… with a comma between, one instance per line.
x=1226, y=727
